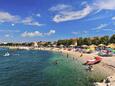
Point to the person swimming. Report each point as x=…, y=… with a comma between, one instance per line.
x=55, y=62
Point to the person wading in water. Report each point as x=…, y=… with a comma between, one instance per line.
x=67, y=55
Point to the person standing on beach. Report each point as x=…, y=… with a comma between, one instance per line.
x=81, y=55
x=90, y=68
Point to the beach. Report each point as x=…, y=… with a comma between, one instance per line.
x=107, y=66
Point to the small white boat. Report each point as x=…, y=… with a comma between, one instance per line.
x=7, y=54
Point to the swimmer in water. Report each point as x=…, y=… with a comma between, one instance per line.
x=56, y=62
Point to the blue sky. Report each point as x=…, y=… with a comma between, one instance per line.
x=49, y=20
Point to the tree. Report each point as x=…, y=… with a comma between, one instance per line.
x=80, y=41
x=104, y=40
x=95, y=41
x=65, y=42
x=46, y=44
x=87, y=41
x=112, y=39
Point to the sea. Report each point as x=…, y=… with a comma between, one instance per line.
x=40, y=68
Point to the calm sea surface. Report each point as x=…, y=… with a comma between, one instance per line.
x=39, y=68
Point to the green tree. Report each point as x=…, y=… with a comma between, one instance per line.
x=95, y=41
x=87, y=41
x=80, y=41
x=112, y=39
x=104, y=40
x=65, y=42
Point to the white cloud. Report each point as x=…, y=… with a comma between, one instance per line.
x=7, y=17
x=84, y=3
x=72, y=15
x=9, y=31
x=97, y=18
x=38, y=15
x=109, y=30
x=7, y=35
x=31, y=34
x=67, y=13
x=113, y=18
x=30, y=21
x=50, y=32
x=37, y=33
x=60, y=7
x=104, y=4
x=101, y=26
x=77, y=33
x=12, y=24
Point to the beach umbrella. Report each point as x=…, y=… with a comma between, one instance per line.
x=110, y=49
x=111, y=45
x=101, y=45
x=113, y=51
x=49, y=45
x=84, y=46
x=88, y=50
x=93, y=46
x=54, y=45
x=61, y=45
x=71, y=45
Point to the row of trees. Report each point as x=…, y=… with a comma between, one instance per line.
x=16, y=44
x=88, y=41
x=80, y=41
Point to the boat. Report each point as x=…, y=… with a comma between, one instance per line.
x=7, y=54
x=93, y=61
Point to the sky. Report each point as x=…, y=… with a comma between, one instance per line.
x=50, y=20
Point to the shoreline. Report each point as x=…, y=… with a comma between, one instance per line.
x=103, y=67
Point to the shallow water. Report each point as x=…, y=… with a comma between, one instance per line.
x=40, y=68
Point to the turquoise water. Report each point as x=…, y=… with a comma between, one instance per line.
x=39, y=68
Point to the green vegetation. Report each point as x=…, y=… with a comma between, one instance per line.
x=67, y=42
x=88, y=41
